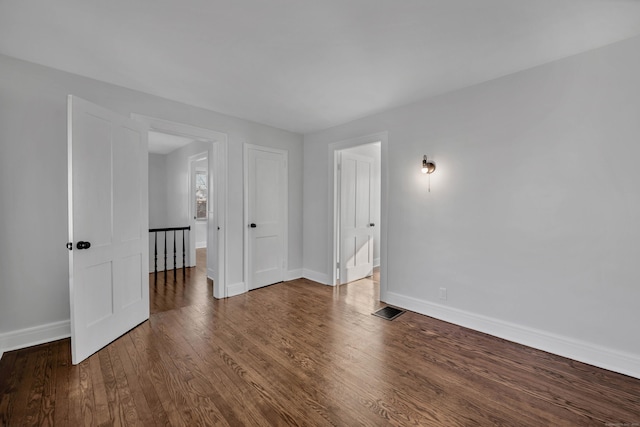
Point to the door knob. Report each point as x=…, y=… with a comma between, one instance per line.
x=83, y=245
x=371, y=224
x=253, y=225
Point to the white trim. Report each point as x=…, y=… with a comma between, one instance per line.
x=293, y=274
x=285, y=208
x=236, y=289
x=376, y=262
x=28, y=337
x=624, y=363
x=316, y=276
x=332, y=230
x=217, y=155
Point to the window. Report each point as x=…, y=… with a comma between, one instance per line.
x=201, y=195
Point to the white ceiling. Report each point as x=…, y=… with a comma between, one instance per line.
x=305, y=65
x=163, y=143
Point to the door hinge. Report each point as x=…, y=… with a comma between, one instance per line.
x=338, y=265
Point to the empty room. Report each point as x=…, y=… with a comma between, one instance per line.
x=354, y=212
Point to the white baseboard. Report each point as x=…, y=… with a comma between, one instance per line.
x=293, y=274
x=28, y=337
x=592, y=354
x=201, y=245
x=315, y=276
x=376, y=262
x=236, y=289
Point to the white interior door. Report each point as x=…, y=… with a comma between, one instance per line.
x=108, y=208
x=266, y=207
x=356, y=226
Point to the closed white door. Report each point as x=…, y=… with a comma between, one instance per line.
x=356, y=226
x=108, y=226
x=266, y=172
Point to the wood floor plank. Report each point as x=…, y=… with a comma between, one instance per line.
x=185, y=382
x=85, y=399
x=7, y=371
x=22, y=406
x=62, y=390
x=102, y=408
x=159, y=379
x=137, y=373
x=301, y=353
x=47, y=401
x=13, y=369
x=129, y=409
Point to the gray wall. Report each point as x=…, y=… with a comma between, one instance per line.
x=34, y=296
x=157, y=190
x=532, y=220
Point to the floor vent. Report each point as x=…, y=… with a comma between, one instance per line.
x=388, y=313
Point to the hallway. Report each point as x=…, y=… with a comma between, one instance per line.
x=177, y=292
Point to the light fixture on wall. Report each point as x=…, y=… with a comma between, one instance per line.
x=428, y=166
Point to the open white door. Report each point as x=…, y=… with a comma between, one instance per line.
x=356, y=227
x=266, y=171
x=108, y=226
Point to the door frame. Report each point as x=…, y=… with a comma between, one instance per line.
x=285, y=237
x=333, y=204
x=217, y=159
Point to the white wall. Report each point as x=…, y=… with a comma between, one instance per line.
x=157, y=190
x=532, y=220
x=34, y=297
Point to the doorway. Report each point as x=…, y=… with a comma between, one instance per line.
x=212, y=145
x=199, y=207
x=358, y=211
x=370, y=146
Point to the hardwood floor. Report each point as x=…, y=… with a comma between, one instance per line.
x=300, y=353
x=176, y=291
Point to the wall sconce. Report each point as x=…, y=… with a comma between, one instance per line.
x=428, y=166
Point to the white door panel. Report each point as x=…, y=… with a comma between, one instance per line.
x=108, y=207
x=356, y=226
x=266, y=189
